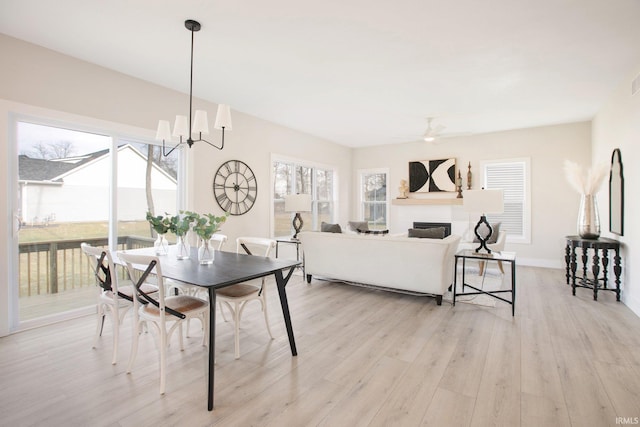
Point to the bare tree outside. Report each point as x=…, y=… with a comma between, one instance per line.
x=61, y=149
x=52, y=150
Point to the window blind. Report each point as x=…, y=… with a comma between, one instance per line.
x=511, y=177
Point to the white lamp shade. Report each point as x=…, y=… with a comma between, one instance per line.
x=201, y=122
x=223, y=118
x=164, y=131
x=297, y=203
x=483, y=201
x=181, y=127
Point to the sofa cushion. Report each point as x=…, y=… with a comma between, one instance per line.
x=427, y=233
x=494, y=235
x=373, y=232
x=330, y=228
x=354, y=226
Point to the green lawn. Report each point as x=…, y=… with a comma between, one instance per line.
x=82, y=230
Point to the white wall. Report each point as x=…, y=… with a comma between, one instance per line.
x=617, y=125
x=40, y=83
x=555, y=204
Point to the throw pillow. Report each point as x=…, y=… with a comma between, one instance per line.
x=354, y=226
x=494, y=235
x=427, y=233
x=373, y=232
x=330, y=228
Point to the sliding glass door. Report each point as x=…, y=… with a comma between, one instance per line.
x=75, y=186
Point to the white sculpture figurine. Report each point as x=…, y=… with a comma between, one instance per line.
x=403, y=189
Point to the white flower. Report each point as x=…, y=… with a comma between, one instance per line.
x=585, y=183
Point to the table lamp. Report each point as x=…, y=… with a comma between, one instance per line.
x=297, y=203
x=483, y=202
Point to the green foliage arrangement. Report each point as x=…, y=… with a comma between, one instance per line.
x=161, y=224
x=180, y=224
x=207, y=225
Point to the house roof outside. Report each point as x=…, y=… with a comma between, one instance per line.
x=53, y=170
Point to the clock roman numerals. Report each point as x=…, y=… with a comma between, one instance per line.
x=235, y=187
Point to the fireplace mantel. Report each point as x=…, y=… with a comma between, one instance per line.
x=439, y=201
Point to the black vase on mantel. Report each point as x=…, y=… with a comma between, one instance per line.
x=588, y=218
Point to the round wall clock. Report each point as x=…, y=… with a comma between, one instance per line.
x=235, y=187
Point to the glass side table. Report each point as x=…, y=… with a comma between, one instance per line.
x=292, y=241
x=466, y=254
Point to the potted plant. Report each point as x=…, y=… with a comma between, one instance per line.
x=161, y=225
x=205, y=226
x=180, y=226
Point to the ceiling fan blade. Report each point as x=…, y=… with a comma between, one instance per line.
x=438, y=129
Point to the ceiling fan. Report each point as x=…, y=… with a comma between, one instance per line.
x=433, y=132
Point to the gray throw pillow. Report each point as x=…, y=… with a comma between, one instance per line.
x=427, y=233
x=373, y=232
x=330, y=228
x=357, y=225
x=494, y=235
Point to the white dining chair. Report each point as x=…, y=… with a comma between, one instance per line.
x=112, y=299
x=236, y=297
x=165, y=313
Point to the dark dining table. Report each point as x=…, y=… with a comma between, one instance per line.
x=227, y=269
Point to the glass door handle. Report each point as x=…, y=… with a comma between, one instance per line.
x=17, y=224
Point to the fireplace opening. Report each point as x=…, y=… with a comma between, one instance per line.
x=424, y=225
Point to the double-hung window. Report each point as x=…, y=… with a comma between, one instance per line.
x=374, y=206
x=513, y=176
x=294, y=177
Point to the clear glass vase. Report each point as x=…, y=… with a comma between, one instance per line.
x=183, y=248
x=161, y=245
x=206, y=253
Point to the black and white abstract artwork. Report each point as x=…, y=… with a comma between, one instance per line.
x=428, y=176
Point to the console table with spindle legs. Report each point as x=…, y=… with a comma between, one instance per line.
x=598, y=280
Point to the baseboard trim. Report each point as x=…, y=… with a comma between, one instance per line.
x=540, y=262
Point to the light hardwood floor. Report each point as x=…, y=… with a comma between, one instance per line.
x=366, y=358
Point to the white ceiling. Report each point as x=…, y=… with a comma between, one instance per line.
x=359, y=72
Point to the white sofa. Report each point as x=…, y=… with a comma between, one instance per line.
x=401, y=263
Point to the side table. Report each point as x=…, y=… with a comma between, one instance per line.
x=600, y=263
x=466, y=254
x=293, y=242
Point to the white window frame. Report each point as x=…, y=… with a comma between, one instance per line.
x=314, y=197
x=361, y=173
x=525, y=237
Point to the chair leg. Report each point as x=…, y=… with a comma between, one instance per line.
x=236, y=315
x=163, y=358
x=204, y=319
x=180, y=335
x=100, y=324
x=134, y=345
x=481, y=265
x=263, y=301
x=115, y=322
x=501, y=267
x=222, y=311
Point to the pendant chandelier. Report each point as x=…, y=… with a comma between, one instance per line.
x=185, y=127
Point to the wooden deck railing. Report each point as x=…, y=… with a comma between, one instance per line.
x=53, y=267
